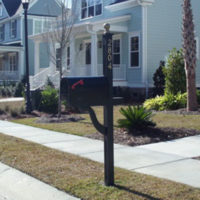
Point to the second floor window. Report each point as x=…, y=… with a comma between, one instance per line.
x=13, y=28
x=1, y=10
x=90, y=8
x=2, y=32
x=38, y=27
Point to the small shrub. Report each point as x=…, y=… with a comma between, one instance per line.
x=136, y=117
x=22, y=110
x=49, y=100
x=166, y=102
x=175, y=78
x=14, y=112
x=159, y=80
x=7, y=108
x=36, y=97
x=2, y=111
x=19, y=90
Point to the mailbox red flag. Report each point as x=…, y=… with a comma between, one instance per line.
x=81, y=82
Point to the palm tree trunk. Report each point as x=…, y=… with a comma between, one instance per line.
x=191, y=90
x=189, y=51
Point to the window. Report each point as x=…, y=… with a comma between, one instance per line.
x=13, y=28
x=90, y=8
x=88, y=53
x=1, y=10
x=116, y=52
x=134, y=51
x=1, y=64
x=58, y=58
x=47, y=26
x=2, y=32
x=68, y=57
x=41, y=26
x=38, y=27
x=13, y=62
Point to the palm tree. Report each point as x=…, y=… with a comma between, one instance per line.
x=189, y=51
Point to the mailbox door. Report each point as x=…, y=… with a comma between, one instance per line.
x=86, y=91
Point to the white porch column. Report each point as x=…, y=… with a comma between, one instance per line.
x=72, y=55
x=94, y=63
x=37, y=57
x=21, y=67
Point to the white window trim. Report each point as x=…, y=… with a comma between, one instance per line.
x=118, y=37
x=11, y=28
x=42, y=25
x=197, y=48
x=2, y=25
x=80, y=17
x=1, y=10
x=11, y=56
x=134, y=34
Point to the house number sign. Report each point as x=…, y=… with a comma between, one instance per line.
x=109, y=54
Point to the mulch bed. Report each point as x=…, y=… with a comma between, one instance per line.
x=147, y=136
x=181, y=111
x=62, y=119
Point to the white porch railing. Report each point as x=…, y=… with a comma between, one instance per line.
x=9, y=75
x=119, y=71
x=39, y=79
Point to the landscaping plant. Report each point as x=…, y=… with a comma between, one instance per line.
x=175, y=79
x=49, y=100
x=166, y=102
x=136, y=117
x=159, y=80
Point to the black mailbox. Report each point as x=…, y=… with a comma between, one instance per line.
x=85, y=91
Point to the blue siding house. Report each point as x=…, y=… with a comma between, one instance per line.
x=12, y=35
x=143, y=33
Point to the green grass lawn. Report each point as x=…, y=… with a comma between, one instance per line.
x=86, y=127
x=84, y=178
x=81, y=128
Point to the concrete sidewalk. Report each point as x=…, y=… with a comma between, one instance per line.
x=170, y=160
x=15, y=185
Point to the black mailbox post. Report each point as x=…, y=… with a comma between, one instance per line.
x=84, y=92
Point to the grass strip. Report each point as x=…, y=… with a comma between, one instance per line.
x=86, y=127
x=84, y=178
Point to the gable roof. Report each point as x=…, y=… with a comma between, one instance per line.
x=11, y=6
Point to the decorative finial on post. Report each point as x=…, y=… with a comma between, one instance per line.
x=107, y=27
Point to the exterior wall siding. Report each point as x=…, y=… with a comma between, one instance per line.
x=164, y=32
x=44, y=55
